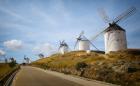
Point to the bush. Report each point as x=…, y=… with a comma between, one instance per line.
x=12, y=63
x=80, y=66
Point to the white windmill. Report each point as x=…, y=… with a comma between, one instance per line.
x=114, y=35
x=63, y=48
x=83, y=43
x=26, y=59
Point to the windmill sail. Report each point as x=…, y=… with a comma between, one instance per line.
x=75, y=44
x=125, y=14
x=104, y=15
x=98, y=34
x=63, y=47
x=78, y=39
x=114, y=35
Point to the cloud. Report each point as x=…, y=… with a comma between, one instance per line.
x=13, y=44
x=44, y=48
x=2, y=52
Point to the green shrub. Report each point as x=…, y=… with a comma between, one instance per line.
x=12, y=63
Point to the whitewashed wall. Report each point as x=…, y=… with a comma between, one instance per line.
x=63, y=49
x=83, y=45
x=115, y=40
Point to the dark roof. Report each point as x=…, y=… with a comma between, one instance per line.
x=64, y=44
x=83, y=38
x=114, y=27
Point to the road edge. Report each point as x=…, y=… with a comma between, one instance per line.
x=77, y=79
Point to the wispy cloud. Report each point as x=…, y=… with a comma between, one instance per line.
x=45, y=48
x=2, y=52
x=13, y=44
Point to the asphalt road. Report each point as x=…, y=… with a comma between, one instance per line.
x=30, y=76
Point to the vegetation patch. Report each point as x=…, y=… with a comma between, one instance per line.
x=122, y=67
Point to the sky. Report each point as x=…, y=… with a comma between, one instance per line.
x=30, y=27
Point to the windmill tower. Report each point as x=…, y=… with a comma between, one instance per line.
x=83, y=43
x=114, y=35
x=115, y=38
x=63, y=48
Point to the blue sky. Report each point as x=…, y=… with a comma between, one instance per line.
x=28, y=27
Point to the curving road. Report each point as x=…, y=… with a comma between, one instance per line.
x=30, y=76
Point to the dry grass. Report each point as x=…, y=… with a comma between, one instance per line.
x=4, y=69
x=110, y=67
x=70, y=59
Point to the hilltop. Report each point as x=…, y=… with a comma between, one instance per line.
x=122, y=67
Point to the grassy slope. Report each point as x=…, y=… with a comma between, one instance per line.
x=69, y=59
x=4, y=69
x=111, y=68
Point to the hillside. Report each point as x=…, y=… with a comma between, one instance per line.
x=122, y=67
x=4, y=69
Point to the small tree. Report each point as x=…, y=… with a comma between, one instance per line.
x=12, y=63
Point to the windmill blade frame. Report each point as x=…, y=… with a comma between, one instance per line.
x=104, y=15
x=125, y=14
x=25, y=58
x=82, y=32
x=60, y=42
x=91, y=43
x=63, y=42
x=94, y=37
x=76, y=44
x=59, y=47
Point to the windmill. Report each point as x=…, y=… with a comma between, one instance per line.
x=83, y=43
x=26, y=59
x=41, y=55
x=114, y=35
x=63, y=48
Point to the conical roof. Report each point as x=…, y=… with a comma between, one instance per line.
x=63, y=44
x=114, y=27
x=83, y=38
